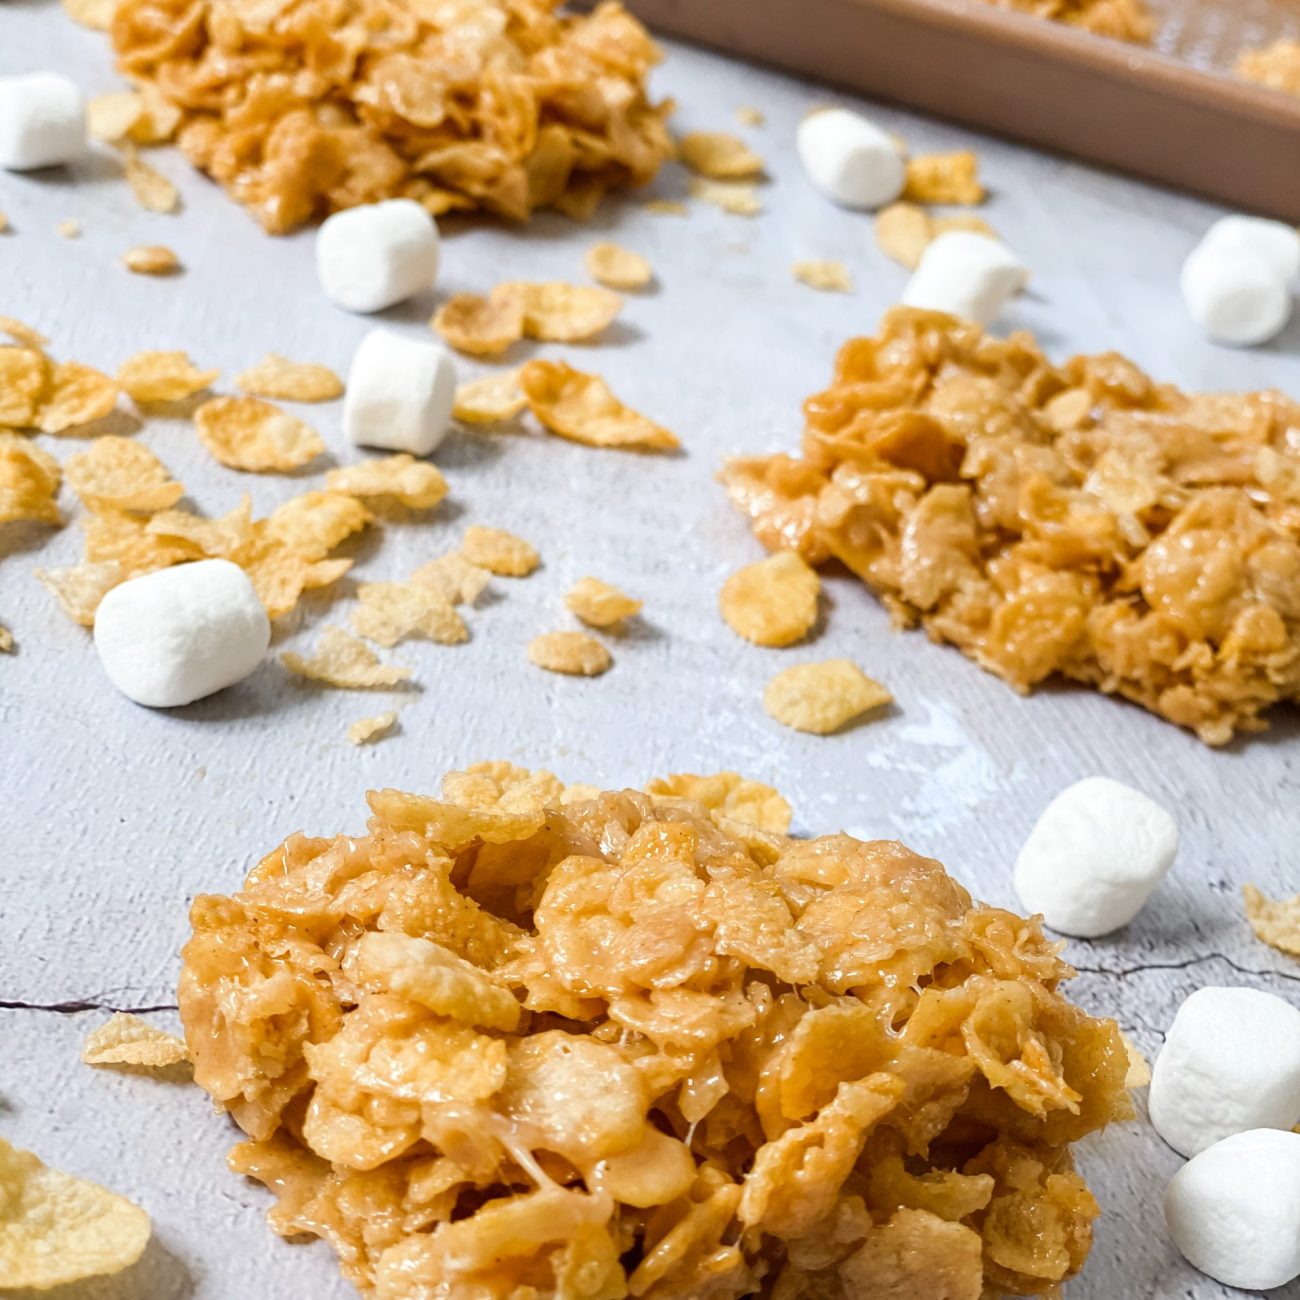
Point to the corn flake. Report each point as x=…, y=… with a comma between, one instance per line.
x=666, y=207
x=499, y=552
x=249, y=434
x=617, y=267
x=719, y=155
x=747, y=115
x=289, y=381
x=365, y=731
x=573, y=653
x=95, y=14
x=313, y=524
x=415, y=484
x=740, y=198
x=454, y=578
x=389, y=611
x=68, y=228
x=125, y=1039
x=342, y=660
x=25, y=374
x=6, y=640
x=491, y=399
x=943, y=178
x=151, y=259
x=22, y=333
x=582, y=408
x=162, y=377
x=822, y=697
x=478, y=326
x=1275, y=922
x=121, y=474
x=56, y=1229
x=772, y=602
x=734, y=796
x=556, y=312
x=1138, y=1074
x=78, y=395
x=29, y=481
x=80, y=587
x=110, y=117
x=904, y=231
x=828, y=276
x=599, y=604
x=153, y=191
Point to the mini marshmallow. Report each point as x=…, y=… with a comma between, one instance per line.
x=176, y=635
x=42, y=121
x=1234, y=1211
x=1094, y=856
x=1274, y=241
x=851, y=160
x=400, y=393
x=370, y=257
x=1235, y=295
x=1231, y=1062
x=967, y=275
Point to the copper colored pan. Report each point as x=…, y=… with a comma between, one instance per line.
x=1173, y=113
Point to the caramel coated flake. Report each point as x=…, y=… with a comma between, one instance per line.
x=289, y=381
x=574, y=653
x=719, y=155
x=730, y=794
x=390, y=611
x=29, y=481
x=151, y=259
x=1138, y=1074
x=598, y=604
x=479, y=326
x=822, y=697
x=414, y=484
x=249, y=434
x=904, y=231
x=125, y=1039
x=153, y=191
x=366, y=731
x=772, y=602
x=737, y=197
x=340, y=659
x=163, y=377
x=557, y=312
x=78, y=395
x=454, y=578
x=943, y=178
x=499, y=552
x=828, y=276
x=80, y=587
x=116, y=473
x=24, y=334
x=582, y=408
x=617, y=267
x=1275, y=922
x=491, y=399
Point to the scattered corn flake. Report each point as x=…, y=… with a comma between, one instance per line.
x=389, y=611
x=943, y=178
x=162, y=377
x=830, y=276
x=479, y=326
x=772, y=602
x=365, y=731
x=730, y=794
x=313, y=524
x=4, y=222
x=617, y=267
x=152, y=190
x=25, y=374
x=454, y=578
x=582, y=408
x=964, y=221
x=68, y=228
x=490, y=399
x=719, y=155
x=223, y=537
x=6, y=640
x=598, y=604
x=666, y=207
x=95, y=14
x=1275, y=922
x=29, y=481
x=737, y=197
x=110, y=117
x=822, y=697
x=119, y=473
x=80, y=587
x=341, y=659
x=56, y=1229
x=747, y=115
x=151, y=259
x=558, y=312
x=413, y=483
x=573, y=653
x=499, y=552
x=290, y=381
x=132, y=541
x=125, y=1039
x=24, y=334
x=249, y=434
x=279, y=575
x=78, y=395
x=1138, y=1074
x=904, y=231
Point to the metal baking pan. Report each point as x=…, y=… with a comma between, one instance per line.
x=1171, y=113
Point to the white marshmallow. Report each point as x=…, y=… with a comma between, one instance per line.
x=400, y=393
x=1234, y=1211
x=42, y=121
x=181, y=633
x=851, y=160
x=967, y=275
x=1094, y=856
x=1276, y=242
x=370, y=257
x=1231, y=1062
x=1235, y=295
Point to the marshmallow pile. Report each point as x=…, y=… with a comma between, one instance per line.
x=42, y=121
x=1237, y=281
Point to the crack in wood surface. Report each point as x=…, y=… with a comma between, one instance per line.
x=77, y=1005
x=1122, y=972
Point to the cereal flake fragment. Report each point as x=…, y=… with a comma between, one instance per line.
x=557, y=312
x=499, y=552
x=151, y=259
x=479, y=326
x=617, y=267
x=78, y=395
x=573, y=653
x=289, y=381
x=454, y=578
x=340, y=659
x=29, y=481
x=366, y=731
x=719, y=156
x=904, y=230
x=414, y=484
x=152, y=190
x=249, y=434
x=163, y=377
x=116, y=473
x=389, y=611
x=80, y=587
x=125, y=1039
x=599, y=604
x=491, y=399
x=830, y=276
x=822, y=697
x=740, y=198
x=943, y=178
x=772, y=602
x=581, y=408
x=1275, y=922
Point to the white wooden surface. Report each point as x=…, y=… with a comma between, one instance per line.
x=113, y=817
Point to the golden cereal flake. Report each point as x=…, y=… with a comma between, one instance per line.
x=719, y=155
x=110, y=117
x=29, y=481
x=747, y=115
x=389, y=611
x=574, y=653
x=163, y=377
x=1275, y=922
x=666, y=207
x=151, y=259
x=78, y=395
x=822, y=697
x=56, y=1229
x=4, y=223
x=249, y=434
x=366, y=731
x=491, y=399
x=830, y=276
x=340, y=659
x=289, y=381
x=581, y=408
x=454, y=578
x=1276, y=66
x=599, y=604
x=1121, y=20
x=772, y=602
x=730, y=794
x=68, y=228
x=152, y=190
x=1138, y=1074
x=479, y=326
x=617, y=267
x=556, y=312
x=313, y=524
x=904, y=231
x=499, y=552
x=740, y=198
x=6, y=640
x=25, y=378
x=22, y=333
x=943, y=178
x=118, y=473
x=95, y=14
x=125, y=1039
x=412, y=483
x=80, y=587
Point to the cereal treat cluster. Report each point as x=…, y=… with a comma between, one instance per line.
x=534, y=1041
x=1079, y=520
x=1122, y=20
x=302, y=107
